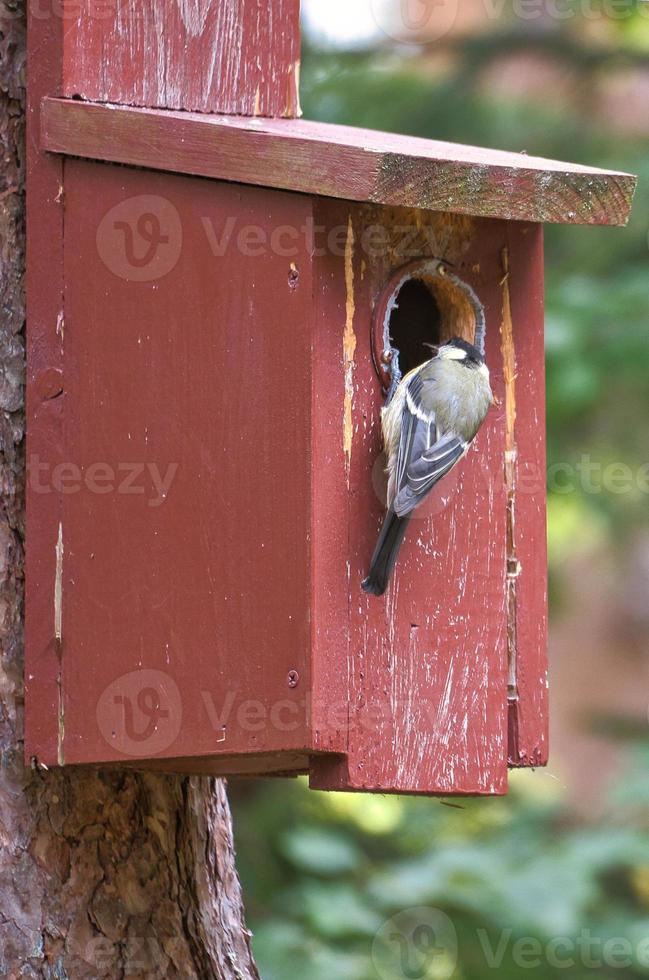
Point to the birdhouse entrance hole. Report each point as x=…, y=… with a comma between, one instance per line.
x=423, y=304
x=414, y=322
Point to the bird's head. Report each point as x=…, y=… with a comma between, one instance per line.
x=458, y=349
x=462, y=352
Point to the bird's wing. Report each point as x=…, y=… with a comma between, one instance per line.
x=424, y=456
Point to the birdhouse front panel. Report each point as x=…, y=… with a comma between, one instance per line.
x=445, y=675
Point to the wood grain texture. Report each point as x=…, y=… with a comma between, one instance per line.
x=231, y=56
x=528, y=701
x=45, y=407
x=342, y=162
x=103, y=874
x=425, y=673
x=207, y=331
x=198, y=594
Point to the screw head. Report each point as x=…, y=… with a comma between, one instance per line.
x=292, y=678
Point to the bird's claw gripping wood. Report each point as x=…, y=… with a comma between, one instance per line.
x=391, y=359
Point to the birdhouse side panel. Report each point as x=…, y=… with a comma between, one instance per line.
x=44, y=409
x=524, y=363
x=184, y=548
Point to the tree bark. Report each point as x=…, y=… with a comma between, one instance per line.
x=102, y=874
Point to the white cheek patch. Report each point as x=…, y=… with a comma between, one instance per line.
x=453, y=353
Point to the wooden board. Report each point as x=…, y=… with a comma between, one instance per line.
x=522, y=350
x=227, y=55
x=183, y=578
x=342, y=162
x=232, y=56
x=425, y=674
x=45, y=327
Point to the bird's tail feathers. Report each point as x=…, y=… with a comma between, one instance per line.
x=385, y=553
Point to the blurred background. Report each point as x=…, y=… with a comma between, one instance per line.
x=562, y=864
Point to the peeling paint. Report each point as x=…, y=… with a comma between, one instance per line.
x=58, y=585
x=294, y=107
x=509, y=358
x=60, y=752
x=189, y=55
x=194, y=16
x=349, y=345
x=58, y=606
x=510, y=464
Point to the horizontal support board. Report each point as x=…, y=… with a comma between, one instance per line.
x=340, y=162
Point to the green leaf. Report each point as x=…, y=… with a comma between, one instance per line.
x=320, y=851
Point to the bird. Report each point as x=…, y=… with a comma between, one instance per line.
x=428, y=423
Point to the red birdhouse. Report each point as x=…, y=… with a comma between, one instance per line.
x=211, y=292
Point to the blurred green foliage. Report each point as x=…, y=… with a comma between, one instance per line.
x=323, y=872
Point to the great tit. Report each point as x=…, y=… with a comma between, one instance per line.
x=428, y=426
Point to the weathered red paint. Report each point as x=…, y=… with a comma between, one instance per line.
x=220, y=333
x=45, y=313
x=205, y=370
x=342, y=162
x=234, y=56
x=425, y=667
x=529, y=703
x=237, y=370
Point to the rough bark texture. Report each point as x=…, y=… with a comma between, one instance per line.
x=102, y=874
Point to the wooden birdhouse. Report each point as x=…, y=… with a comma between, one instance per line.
x=211, y=291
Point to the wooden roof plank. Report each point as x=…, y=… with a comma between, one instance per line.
x=341, y=162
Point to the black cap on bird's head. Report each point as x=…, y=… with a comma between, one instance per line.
x=457, y=349
x=461, y=350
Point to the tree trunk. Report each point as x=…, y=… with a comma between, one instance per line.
x=102, y=874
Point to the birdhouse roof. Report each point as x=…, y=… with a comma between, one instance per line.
x=341, y=162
